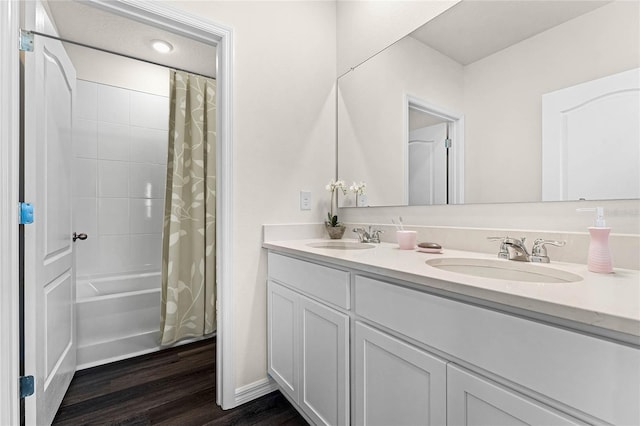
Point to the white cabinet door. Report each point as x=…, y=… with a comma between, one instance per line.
x=283, y=338
x=474, y=401
x=308, y=354
x=396, y=383
x=324, y=391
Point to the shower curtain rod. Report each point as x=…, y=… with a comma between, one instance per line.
x=124, y=55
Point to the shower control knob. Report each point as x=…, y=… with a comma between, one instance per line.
x=79, y=236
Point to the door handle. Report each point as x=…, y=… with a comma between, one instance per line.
x=79, y=236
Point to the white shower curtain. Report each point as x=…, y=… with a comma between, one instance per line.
x=188, y=242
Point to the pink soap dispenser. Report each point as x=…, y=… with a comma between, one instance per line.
x=599, y=259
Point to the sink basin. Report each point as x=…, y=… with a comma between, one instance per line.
x=341, y=245
x=504, y=270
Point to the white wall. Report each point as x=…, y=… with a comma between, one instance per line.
x=120, y=154
x=284, y=140
x=105, y=68
x=503, y=96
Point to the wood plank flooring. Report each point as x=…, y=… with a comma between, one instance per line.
x=172, y=387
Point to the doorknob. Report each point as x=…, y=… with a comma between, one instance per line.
x=79, y=236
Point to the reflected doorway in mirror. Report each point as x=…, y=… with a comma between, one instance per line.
x=433, y=154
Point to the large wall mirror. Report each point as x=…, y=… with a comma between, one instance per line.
x=498, y=101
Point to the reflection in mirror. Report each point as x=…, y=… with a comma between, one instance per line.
x=433, y=155
x=496, y=64
x=428, y=155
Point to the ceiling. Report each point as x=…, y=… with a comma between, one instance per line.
x=457, y=33
x=473, y=29
x=95, y=27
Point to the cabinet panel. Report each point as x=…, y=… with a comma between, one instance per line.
x=595, y=376
x=328, y=284
x=476, y=401
x=283, y=337
x=324, y=363
x=396, y=383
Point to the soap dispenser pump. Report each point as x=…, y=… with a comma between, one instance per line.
x=599, y=259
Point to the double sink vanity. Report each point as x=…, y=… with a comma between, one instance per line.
x=363, y=333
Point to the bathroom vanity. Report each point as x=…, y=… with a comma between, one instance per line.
x=376, y=335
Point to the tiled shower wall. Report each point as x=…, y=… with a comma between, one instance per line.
x=120, y=154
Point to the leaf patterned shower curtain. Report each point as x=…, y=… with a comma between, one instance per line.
x=188, y=241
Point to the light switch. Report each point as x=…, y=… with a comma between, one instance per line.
x=305, y=200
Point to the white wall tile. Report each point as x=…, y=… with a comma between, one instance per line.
x=113, y=179
x=113, y=216
x=149, y=111
x=146, y=180
x=119, y=204
x=146, y=250
x=113, y=141
x=84, y=177
x=114, y=253
x=113, y=104
x=146, y=216
x=85, y=138
x=86, y=100
x=87, y=255
x=148, y=145
x=85, y=216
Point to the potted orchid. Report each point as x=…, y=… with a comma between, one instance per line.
x=358, y=190
x=334, y=227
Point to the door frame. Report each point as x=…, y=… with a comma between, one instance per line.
x=456, y=176
x=164, y=17
x=9, y=182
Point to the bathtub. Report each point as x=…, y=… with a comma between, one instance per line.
x=117, y=318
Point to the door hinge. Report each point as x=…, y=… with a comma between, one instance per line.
x=26, y=386
x=447, y=143
x=26, y=213
x=26, y=40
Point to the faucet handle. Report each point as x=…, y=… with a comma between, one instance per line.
x=503, y=253
x=539, y=251
x=375, y=235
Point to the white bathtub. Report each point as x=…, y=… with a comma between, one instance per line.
x=117, y=318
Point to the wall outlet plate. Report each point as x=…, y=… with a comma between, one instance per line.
x=305, y=200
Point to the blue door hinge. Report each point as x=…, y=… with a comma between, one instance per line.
x=26, y=213
x=26, y=386
x=26, y=41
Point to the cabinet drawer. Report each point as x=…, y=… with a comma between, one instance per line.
x=328, y=284
x=595, y=376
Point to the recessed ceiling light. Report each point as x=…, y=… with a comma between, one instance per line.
x=161, y=46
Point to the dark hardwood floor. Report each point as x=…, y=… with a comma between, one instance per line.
x=175, y=386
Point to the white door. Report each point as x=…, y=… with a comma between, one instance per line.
x=591, y=140
x=396, y=383
x=324, y=394
x=428, y=165
x=49, y=276
x=475, y=401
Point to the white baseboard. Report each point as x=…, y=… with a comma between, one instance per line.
x=255, y=390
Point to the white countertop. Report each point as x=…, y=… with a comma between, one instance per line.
x=607, y=301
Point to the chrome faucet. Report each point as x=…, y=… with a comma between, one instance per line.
x=514, y=249
x=368, y=236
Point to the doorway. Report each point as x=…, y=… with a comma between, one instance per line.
x=165, y=19
x=434, y=159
